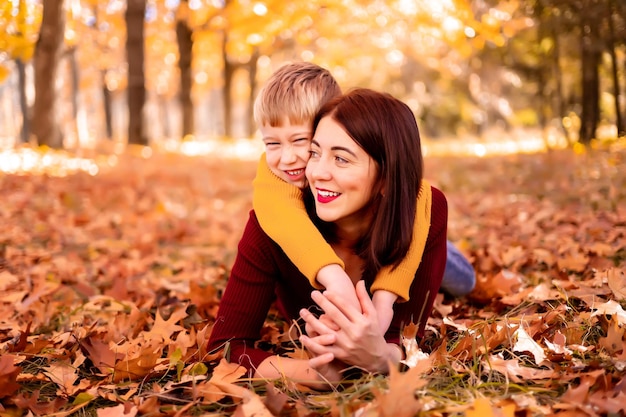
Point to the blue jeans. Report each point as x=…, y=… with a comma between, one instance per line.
x=459, y=277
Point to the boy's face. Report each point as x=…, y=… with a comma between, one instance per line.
x=287, y=151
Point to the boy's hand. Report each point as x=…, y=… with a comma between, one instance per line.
x=337, y=282
x=383, y=302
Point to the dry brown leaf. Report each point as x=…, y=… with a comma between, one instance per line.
x=120, y=410
x=512, y=369
x=613, y=342
x=401, y=400
x=221, y=382
x=8, y=375
x=617, y=282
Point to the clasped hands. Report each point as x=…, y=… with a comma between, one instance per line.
x=344, y=336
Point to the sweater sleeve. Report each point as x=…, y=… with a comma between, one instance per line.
x=427, y=279
x=246, y=300
x=282, y=215
x=398, y=280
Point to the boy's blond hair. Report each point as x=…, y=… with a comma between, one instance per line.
x=294, y=92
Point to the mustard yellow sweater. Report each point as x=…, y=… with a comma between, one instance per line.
x=282, y=215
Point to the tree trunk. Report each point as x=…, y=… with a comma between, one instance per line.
x=47, y=55
x=251, y=128
x=21, y=71
x=185, y=47
x=590, y=59
x=74, y=75
x=558, y=76
x=229, y=71
x=135, y=12
x=107, y=104
x=619, y=122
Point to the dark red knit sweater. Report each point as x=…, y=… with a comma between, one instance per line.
x=262, y=274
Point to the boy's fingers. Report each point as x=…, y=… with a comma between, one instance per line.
x=340, y=312
x=330, y=305
x=364, y=299
x=313, y=323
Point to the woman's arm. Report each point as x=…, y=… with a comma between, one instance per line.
x=246, y=299
x=258, y=269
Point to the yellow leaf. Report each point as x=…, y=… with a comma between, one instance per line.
x=480, y=408
x=4, y=73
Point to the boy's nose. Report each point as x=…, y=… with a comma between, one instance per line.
x=288, y=156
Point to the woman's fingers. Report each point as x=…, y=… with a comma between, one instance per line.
x=322, y=360
x=364, y=299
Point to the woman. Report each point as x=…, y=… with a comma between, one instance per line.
x=365, y=170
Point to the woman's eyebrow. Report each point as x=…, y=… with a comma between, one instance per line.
x=341, y=148
x=335, y=148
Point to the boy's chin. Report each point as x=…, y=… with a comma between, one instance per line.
x=299, y=183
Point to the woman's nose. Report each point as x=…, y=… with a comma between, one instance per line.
x=319, y=170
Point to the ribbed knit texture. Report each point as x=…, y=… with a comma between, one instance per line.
x=263, y=273
x=398, y=280
x=282, y=215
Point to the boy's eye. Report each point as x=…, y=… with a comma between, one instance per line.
x=270, y=144
x=303, y=139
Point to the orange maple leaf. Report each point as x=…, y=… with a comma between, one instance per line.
x=165, y=328
x=138, y=364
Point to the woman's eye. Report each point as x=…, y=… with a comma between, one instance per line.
x=341, y=160
x=314, y=154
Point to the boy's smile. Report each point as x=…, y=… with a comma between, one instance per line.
x=287, y=151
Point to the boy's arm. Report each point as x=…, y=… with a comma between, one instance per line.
x=282, y=215
x=398, y=280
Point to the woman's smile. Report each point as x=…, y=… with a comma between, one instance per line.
x=325, y=196
x=340, y=173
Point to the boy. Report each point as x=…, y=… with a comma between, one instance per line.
x=283, y=111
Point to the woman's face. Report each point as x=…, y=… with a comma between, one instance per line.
x=340, y=173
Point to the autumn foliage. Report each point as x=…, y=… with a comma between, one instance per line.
x=109, y=285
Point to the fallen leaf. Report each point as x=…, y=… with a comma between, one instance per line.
x=617, y=283
x=613, y=342
x=611, y=308
x=119, y=410
x=8, y=375
x=401, y=399
x=525, y=343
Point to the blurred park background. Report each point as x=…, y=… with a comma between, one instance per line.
x=482, y=76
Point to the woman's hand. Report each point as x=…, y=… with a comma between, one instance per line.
x=359, y=340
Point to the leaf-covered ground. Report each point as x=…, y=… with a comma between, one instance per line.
x=109, y=283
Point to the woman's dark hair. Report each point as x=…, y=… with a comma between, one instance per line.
x=386, y=129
